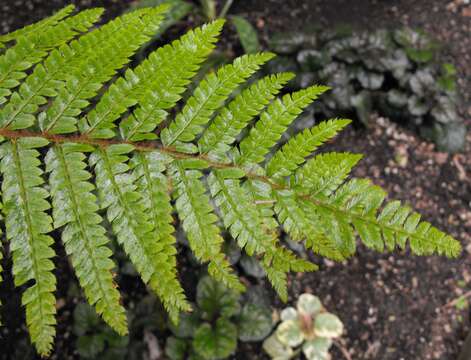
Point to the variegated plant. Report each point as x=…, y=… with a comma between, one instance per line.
x=308, y=328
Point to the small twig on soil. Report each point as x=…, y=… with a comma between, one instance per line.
x=459, y=298
x=461, y=171
x=343, y=350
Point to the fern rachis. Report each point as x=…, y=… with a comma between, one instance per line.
x=103, y=152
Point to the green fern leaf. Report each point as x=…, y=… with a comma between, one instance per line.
x=300, y=225
x=357, y=206
x=37, y=27
x=74, y=206
x=273, y=123
x=398, y=224
x=61, y=97
x=209, y=96
x=278, y=263
x=247, y=226
x=126, y=211
x=153, y=186
x=261, y=193
x=336, y=227
x=295, y=151
x=324, y=173
x=240, y=215
x=198, y=221
x=233, y=118
x=48, y=77
x=190, y=50
x=31, y=49
x=84, y=81
x=168, y=81
x=27, y=224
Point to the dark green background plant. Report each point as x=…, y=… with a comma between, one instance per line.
x=208, y=11
x=397, y=73
x=218, y=320
x=96, y=340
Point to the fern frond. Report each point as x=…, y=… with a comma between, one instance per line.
x=74, y=207
x=38, y=26
x=198, y=220
x=27, y=224
x=274, y=122
x=294, y=152
x=84, y=81
x=246, y=225
x=189, y=51
x=233, y=118
x=261, y=193
x=278, y=262
x=356, y=206
x=212, y=158
x=300, y=225
x=210, y=95
x=323, y=174
x=31, y=49
x=168, y=81
x=239, y=214
x=152, y=184
x=126, y=211
x=397, y=223
x=48, y=77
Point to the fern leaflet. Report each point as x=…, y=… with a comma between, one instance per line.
x=74, y=207
x=27, y=225
x=32, y=49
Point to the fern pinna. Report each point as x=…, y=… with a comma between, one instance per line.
x=85, y=142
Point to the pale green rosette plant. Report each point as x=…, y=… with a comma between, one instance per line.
x=309, y=329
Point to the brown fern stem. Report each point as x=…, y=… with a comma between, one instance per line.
x=139, y=146
x=171, y=151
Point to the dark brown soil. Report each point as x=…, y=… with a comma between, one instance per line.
x=393, y=305
x=17, y=13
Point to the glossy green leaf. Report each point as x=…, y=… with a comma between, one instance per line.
x=328, y=325
x=309, y=304
x=276, y=349
x=247, y=34
x=289, y=333
x=317, y=349
x=254, y=322
x=216, y=341
x=214, y=299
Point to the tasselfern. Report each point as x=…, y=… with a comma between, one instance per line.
x=81, y=139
